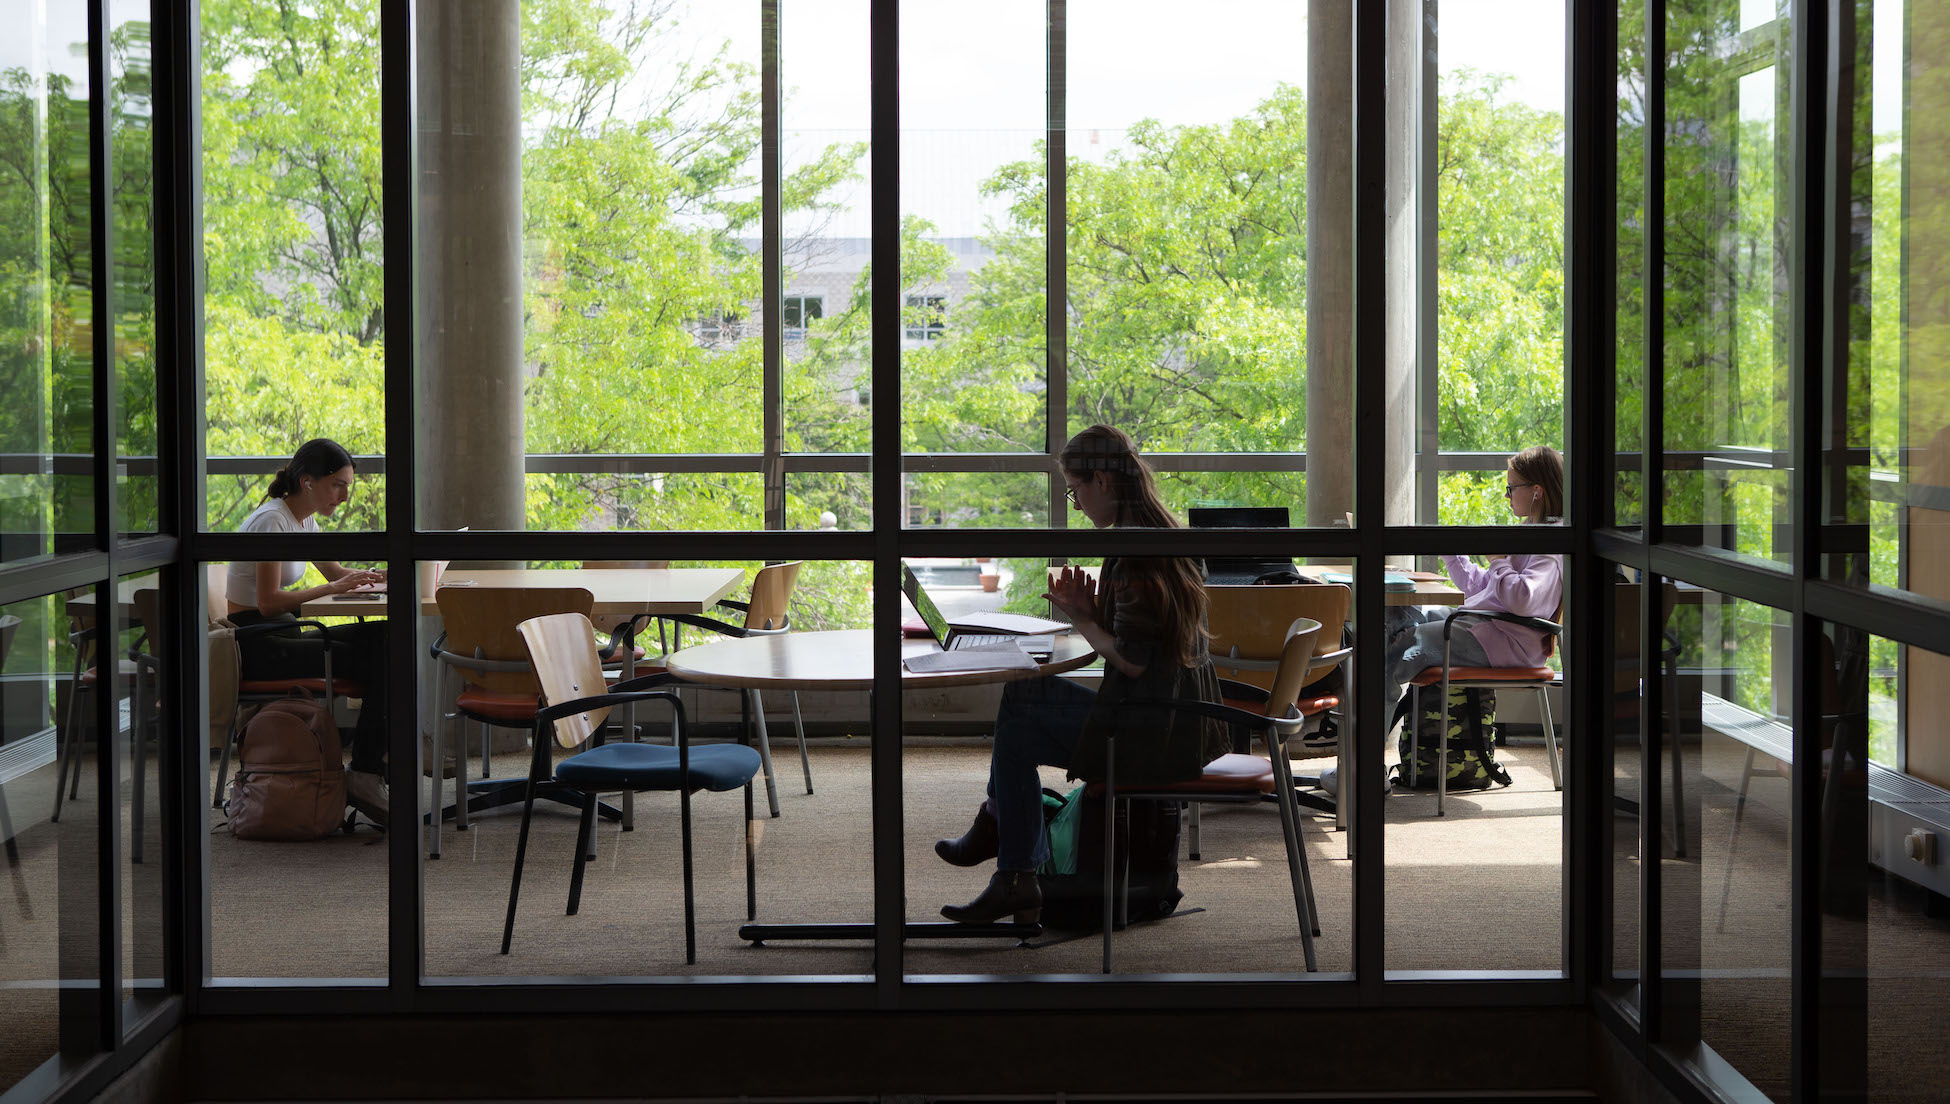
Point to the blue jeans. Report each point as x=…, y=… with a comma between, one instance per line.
x=1415, y=645
x=1038, y=724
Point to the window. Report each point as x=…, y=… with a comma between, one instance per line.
x=799, y=310
x=926, y=317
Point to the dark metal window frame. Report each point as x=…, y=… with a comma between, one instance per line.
x=1590, y=541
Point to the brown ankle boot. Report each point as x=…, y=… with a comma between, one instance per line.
x=975, y=846
x=1009, y=891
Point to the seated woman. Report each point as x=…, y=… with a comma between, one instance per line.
x=1532, y=586
x=1147, y=620
x=316, y=481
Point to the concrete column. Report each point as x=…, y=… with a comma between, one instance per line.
x=470, y=265
x=1404, y=189
x=1330, y=262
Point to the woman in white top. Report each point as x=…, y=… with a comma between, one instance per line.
x=314, y=483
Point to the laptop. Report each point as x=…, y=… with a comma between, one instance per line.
x=952, y=639
x=1239, y=570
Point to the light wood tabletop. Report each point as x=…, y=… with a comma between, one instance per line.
x=841, y=660
x=1427, y=592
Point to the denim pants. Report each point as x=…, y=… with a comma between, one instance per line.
x=1038, y=724
x=1415, y=645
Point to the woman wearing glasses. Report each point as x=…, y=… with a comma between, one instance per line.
x=1533, y=586
x=1147, y=619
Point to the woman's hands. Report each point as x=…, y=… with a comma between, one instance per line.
x=1074, y=592
x=353, y=580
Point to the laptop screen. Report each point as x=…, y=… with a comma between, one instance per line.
x=924, y=605
x=1238, y=517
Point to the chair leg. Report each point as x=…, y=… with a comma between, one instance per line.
x=1192, y=848
x=1110, y=880
x=70, y=747
x=1733, y=837
x=585, y=827
x=751, y=858
x=764, y=748
x=690, y=899
x=223, y=764
x=799, y=726
x=1414, y=765
x=1550, y=736
x=1442, y=737
x=1296, y=862
x=437, y=808
x=1672, y=735
x=521, y=855
x=138, y=772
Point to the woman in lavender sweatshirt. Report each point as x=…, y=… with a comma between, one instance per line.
x=1533, y=482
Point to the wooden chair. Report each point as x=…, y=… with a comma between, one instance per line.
x=764, y=615
x=1237, y=778
x=83, y=636
x=563, y=650
x=259, y=691
x=1538, y=679
x=1249, y=627
x=482, y=646
x=629, y=628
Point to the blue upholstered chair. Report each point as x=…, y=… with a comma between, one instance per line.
x=577, y=700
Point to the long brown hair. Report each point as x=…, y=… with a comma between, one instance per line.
x=1175, y=585
x=1542, y=466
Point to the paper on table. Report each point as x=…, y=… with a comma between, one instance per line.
x=988, y=658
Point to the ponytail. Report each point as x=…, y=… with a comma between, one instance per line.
x=315, y=459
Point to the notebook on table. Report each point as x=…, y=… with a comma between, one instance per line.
x=954, y=639
x=1239, y=570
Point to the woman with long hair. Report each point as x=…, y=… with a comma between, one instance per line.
x=1146, y=618
x=316, y=482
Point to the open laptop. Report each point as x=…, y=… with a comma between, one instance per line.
x=1239, y=570
x=952, y=639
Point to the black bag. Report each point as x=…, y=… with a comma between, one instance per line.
x=1472, y=757
x=1073, y=880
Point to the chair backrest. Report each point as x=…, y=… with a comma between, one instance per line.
x=484, y=623
x=636, y=564
x=148, y=614
x=1251, y=622
x=216, y=597
x=1295, y=657
x=771, y=593
x=562, y=648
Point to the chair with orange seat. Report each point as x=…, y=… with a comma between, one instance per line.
x=1233, y=778
x=1537, y=679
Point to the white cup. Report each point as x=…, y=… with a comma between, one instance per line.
x=429, y=576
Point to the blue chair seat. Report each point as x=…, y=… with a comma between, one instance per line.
x=715, y=767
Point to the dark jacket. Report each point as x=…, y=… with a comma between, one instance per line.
x=1153, y=744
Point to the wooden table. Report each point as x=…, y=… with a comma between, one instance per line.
x=1427, y=592
x=843, y=660
x=618, y=591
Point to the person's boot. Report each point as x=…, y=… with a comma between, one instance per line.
x=975, y=846
x=1009, y=891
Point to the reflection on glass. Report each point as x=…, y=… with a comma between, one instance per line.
x=1012, y=800
x=142, y=643
x=135, y=266
x=829, y=500
x=652, y=500
x=1726, y=307
x=295, y=332
x=46, y=285
x=1883, y=840
x=1726, y=927
x=815, y=857
x=50, y=969
x=1889, y=474
x=1628, y=508
x=976, y=500
x=1626, y=659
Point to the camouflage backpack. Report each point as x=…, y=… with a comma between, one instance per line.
x=1472, y=754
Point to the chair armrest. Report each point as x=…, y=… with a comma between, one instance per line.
x=549, y=714
x=645, y=682
x=262, y=628
x=439, y=645
x=734, y=604
x=476, y=663
x=1537, y=623
x=621, y=636
x=709, y=623
x=1282, y=727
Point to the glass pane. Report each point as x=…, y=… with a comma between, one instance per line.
x=47, y=489
x=977, y=500
x=1626, y=658
x=1476, y=839
x=1886, y=487
x=144, y=738
x=989, y=754
x=135, y=267
x=1726, y=306
x=826, y=316
x=829, y=500
x=1628, y=507
x=295, y=334
x=812, y=852
x=1726, y=938
x=50, y=820
x=600, y=498
x=1883, y=840
x=281, y=909
x=974, y=226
